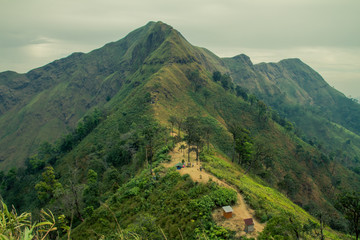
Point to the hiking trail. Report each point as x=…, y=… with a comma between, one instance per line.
x=240, y=210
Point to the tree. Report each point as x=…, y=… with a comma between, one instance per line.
x=243, y=145
x=216, y=76
x=192, y=128
x=149, y=132
x=349, y=204
x=207, y=130
x=253, y=99
x=47, y=188
x=206, y=94
x=262, y=109
x=233, y=129
x=289, y=185
x=282, y=227
x=263, y=155
x=195, y=79
x=288, y=126
x=241, y=92
x=172, y=120
x=244, y=148
x=226, y=82
x=91, y=191
x=179, y=122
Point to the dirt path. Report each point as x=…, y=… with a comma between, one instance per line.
x=240, y=210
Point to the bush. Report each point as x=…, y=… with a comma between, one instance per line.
x=223, y=197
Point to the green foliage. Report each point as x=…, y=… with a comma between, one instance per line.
x=14, y=226
x=34, y=164
x=49, y=186
x=223, y=197
x=349, y=203
x=289, y=185
x=119, y=156
x=193, y=134
x=195, y=78
x=91, y=192
x=88, y=123
x=171, y=206
x=226, y=82
x=216, y=76
x=282, y=227
x=242, y=144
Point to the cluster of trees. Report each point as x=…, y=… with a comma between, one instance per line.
x=198, y=131
x=224, y=79
x=99, y=169
x=289, y=227
x=349, y=204
x=49, y=153
x=84, y=127
x=253, y=155
x=171, y=206
x=195, y=79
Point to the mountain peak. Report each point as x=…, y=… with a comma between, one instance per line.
x=244, y=59
x=292, y=61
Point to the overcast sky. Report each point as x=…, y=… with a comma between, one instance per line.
x=325, y=34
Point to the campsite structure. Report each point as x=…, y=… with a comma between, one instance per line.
x=227, y=211
x=249, y=225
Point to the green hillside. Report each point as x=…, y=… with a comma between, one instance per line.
x=323, y=116
x=106, y=118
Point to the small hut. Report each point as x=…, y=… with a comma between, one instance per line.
x=227, y=211
x=179, y=166
x=249, y=225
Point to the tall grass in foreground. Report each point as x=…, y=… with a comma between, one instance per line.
x=14, y=226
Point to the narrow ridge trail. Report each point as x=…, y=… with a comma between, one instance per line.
x=240, y=210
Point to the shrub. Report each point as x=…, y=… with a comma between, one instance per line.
x=223, y=197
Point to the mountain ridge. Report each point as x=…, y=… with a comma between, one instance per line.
x=143, y=80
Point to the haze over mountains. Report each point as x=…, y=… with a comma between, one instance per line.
x=304, y=133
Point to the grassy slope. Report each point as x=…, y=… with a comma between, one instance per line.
x=175, y=95
x=301, y=94
x=47, y=101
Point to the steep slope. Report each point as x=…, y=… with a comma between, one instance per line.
x=44, y=103
x=300, y=94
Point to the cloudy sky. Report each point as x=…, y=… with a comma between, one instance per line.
x=325, y=34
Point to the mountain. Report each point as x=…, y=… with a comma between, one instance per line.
x=105, y=117
x=327, y=118
x=44, y=103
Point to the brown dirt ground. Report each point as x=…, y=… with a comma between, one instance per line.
x=240, y=210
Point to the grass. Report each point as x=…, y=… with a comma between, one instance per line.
x=266, y=201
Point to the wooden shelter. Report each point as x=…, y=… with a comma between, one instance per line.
x=227, y=211
x=249, y=225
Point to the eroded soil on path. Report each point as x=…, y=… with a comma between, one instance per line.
x=240, y=210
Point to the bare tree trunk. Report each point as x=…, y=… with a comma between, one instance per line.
x=146, y=156
x=188, y=153
x=233, y=155
x=76, y=201
x=197, y=153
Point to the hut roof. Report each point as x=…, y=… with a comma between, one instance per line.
x=249, y=221
x=227, y=209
